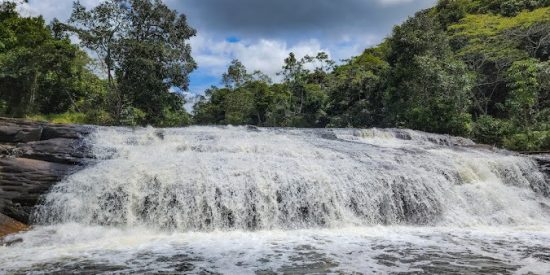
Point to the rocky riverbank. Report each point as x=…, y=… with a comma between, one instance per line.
x=33, y=157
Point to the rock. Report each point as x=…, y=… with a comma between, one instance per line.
x=57, y=150
x=65, y=131
x=23, y=181
x=252, y=128
x=22, y=131
x=7, y=150
x=33, y=157
x=14, y=133
x=543, y=160
x=10, y=226
x=544, y=163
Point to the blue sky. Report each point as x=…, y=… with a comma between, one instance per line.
x=262, y=33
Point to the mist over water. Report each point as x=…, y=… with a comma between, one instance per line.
x=245, y=199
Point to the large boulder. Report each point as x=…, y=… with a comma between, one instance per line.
x=15, y=133
x=23, y=181
x=57, y=150
x=18, y=130
x=33, y=157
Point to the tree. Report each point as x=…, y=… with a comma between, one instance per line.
x=307, y=88
x=210, y=108
x=39, y=73
x=489, y=45
x=144, y=48
x=355, y=91
x=506, y=7
x=244, y=100
x=240, y=107
x=428, y=89
x=524, y=92
x=534, y=38
x=236, y=75
x=450, y=11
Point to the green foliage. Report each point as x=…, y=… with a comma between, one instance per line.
x=507, y=55
x=239, y=107
x=428, y=88
x=487, y=25
x=449, y=12
x=524, y=89
x=64, y=118
x=131, y=116
x=490, y=130
x=175, y=118
x=355, y=97
x=505, y=7
x=210, y=109
x=528, y=141
x=39, y=73
x=97, y=117
x=143, y=46
x=236, y=75
x=251, y=99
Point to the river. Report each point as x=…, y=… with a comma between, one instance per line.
x=245, y=200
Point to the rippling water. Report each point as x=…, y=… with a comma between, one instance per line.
x=77, y=248
x=238, y=200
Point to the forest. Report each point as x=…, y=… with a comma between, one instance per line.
x=473, y=68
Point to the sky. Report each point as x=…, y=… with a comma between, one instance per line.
x=261, y=33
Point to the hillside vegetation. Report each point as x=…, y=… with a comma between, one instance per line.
x=473, y=68
x=477, y=69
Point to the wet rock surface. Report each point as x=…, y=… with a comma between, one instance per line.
x=33, y=157
x=543, y=161
x=9, y=225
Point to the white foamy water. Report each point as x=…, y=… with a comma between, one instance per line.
x=247, y=200
x=78, y=248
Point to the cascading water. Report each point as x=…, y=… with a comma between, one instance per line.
x=245, y=199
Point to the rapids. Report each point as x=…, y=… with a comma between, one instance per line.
x=255, y=200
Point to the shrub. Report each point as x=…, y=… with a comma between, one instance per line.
x=490, y=130
x=528, y=141
x=65, y=118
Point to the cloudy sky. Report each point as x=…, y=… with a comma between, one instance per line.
x=261, y=33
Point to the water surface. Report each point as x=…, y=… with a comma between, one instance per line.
x=243, y=200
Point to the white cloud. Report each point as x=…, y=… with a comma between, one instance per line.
x=50, y=9
x=266, y=55
x=394, y=2
x=347, y=46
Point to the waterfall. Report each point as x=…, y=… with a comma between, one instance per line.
x=247, y=178
x=247, y=200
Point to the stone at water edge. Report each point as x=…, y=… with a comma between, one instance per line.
x=34, y=156
x=10, y=226
x=23, y=181
x=543, y=161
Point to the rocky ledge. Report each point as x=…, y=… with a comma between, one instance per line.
x=33, y=157
x=544, y=162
